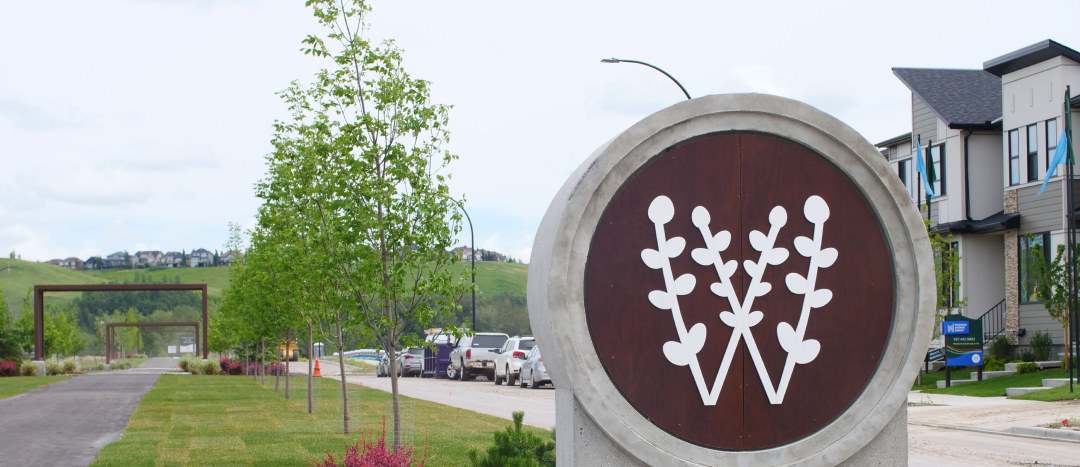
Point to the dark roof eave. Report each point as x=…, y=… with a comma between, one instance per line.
x=895, y=140
x=1028, y=56
x=976, y=126
x=996, y=223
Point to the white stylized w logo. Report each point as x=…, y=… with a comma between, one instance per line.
x=740, y=318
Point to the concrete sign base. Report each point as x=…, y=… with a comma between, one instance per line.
x=693, y=308
x=582, y=443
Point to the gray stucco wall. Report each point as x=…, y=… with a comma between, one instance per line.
x=1040, y=213
x=985, y=174
x=924, y=121
x=1034, y=317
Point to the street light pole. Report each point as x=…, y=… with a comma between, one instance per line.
x=619, y=60
x=472, y=257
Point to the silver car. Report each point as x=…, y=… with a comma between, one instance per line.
x=533, y=374
x=411, y=362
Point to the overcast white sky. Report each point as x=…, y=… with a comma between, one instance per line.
x=130, y=125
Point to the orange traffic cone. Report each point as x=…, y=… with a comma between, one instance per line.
x=317, y=372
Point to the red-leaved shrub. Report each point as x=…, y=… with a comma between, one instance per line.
x=371, y=453
x=229, y=367
x=9, y=368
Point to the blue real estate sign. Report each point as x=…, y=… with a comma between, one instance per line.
x=963, y=341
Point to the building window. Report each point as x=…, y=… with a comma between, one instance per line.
x=1032, y=153
x=937, y=156
x=906, y=176
x=1014, y=157
x=1051, y=143
x=1034, y=248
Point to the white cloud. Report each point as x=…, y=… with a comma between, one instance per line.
x=170, y=145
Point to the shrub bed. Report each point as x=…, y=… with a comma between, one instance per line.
x=9, y=368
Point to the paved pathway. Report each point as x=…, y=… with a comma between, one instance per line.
x=67, y=423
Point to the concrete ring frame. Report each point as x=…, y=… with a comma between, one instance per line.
x=556, y=284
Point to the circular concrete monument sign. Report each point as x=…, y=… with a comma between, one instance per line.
x=736, y=279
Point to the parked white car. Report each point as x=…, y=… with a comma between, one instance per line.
x=533, y=373
x=475, y=355
x=508, y=361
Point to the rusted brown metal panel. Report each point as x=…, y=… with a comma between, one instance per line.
x=739, y=178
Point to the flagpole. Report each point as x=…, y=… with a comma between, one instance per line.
x=1071, y=249
x=931, y=175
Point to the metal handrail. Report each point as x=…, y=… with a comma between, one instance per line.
x=993, y=321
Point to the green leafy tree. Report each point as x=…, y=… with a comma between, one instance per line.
x=62, y=334
x=946, y=272
x=1052, y=289
x=516, y=447
x=360, y=173
x=9, y=344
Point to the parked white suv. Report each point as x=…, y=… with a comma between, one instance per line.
x=508, y=361
x=473, y=355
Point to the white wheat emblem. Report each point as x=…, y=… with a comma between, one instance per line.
x=741, y=317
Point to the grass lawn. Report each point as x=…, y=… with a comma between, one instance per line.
x=1060, y=393
x=16, y=385
x=216, y=279
x=496, y=278
x=929, y=380
x=232, y=420
x=995, y=387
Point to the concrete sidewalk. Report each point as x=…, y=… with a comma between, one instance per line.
x=67, y=423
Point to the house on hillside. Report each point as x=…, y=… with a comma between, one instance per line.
x=200, y=258
x=72, y=263
x=116, y=260
x=173, y=259
x=227, y=258
x=990, y=134
x=54, y=262
x=144, y=259
x=467, y=254
x=93, y=262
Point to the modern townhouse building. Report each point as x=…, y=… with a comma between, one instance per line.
x=990, y=134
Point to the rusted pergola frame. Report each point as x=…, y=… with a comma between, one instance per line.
x=110, y=330
x=39, y=305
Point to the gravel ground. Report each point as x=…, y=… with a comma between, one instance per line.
x=940, y=435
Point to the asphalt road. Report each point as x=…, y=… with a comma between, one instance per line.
x=67, y=423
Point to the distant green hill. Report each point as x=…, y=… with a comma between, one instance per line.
x=491, y=278
x=23, y=275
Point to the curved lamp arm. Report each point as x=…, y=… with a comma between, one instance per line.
x=619, y=60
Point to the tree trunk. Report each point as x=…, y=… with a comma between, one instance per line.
x=287, y=358
x=247, y=362
x=262, y=360
x=344, y=386
x=310, y=369
x=390, y=351
x=277, y=369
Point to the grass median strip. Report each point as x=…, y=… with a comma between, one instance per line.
x=232, y=420
x=995, y=387
x=15, y=385
x=1060, y=393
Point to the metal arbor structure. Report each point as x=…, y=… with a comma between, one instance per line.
x=110, y=330
x=39, y=305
